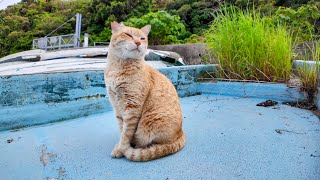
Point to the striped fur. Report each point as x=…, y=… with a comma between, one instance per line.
x=145, y=102
x=155, y=151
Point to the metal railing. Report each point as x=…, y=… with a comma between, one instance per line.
x=60, y=42
x=55, y=42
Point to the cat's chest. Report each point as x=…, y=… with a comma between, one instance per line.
x=127, y=76
x=118, y=79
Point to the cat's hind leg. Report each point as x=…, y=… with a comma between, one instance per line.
x=142, y=138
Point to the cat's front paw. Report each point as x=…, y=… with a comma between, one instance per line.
x=117, y=152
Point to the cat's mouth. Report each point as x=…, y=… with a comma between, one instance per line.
x=137, y=49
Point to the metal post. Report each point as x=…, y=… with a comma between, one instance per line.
x=78, y=30
x=59, y=41
x=46, y=44
x=86, y=40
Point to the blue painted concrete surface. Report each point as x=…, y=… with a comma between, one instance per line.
x=227, y=138
x=274, y=91
x=43, y=98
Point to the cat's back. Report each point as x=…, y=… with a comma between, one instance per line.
x=163, y=96
x=158, y=80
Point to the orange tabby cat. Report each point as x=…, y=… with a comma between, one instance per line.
x=145, y=102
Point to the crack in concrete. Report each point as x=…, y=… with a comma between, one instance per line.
x=280, y=131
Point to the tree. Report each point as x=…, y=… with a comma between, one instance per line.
x=195, y=15
x=302, y=21
x=100, y=11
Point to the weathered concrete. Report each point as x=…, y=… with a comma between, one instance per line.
x=304, y=50
x=227, y=138
x=190, y=53
x=274, y=91
x=38, y=54
x=303, y=63
x=310, y=65
x=63, y=65
x=89, y=52
x=42, y=98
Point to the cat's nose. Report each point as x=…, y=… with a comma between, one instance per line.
x=137, y=43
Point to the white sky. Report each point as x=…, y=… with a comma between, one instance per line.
x=5, y=3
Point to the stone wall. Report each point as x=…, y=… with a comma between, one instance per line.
x=303, y=51
x=191, y=53
x=194, y=54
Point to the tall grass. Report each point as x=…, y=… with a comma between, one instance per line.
x=309, y=73
x=250, y=47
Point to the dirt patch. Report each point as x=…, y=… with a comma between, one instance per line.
x=267, y=103
x=312, y=155
x=303, y=105
x=61, y=171
x=53, y=178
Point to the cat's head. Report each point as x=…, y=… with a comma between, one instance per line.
x=128, y=42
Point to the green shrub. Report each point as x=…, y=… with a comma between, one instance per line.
x=165, y=28
x=250, y=47
x=302, y=21
x=194, y=38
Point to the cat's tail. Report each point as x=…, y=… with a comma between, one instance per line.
x=155, y=151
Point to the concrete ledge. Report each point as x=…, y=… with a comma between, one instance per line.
x=44, y=98
x=191, y=53
x=299, y=63
x=310, y=64
x=274, y=91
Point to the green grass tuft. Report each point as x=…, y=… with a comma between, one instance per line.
x=249, y=47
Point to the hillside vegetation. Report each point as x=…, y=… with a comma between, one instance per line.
x=173, y=21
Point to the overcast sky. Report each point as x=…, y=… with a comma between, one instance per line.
x=5, y=3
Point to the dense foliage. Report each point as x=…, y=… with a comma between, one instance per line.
x=173, y=21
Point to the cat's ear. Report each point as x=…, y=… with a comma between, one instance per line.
x=116, y=27
x=146, y=29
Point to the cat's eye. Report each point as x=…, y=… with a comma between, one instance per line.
x=128, y=35
x=143, y=38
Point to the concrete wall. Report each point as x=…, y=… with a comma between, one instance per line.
x=190, y=53
x=43, y=98
x=28, y=100
x=304, y=50
x=194, y=54
x=311, y=65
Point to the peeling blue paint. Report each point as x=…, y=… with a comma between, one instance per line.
x=44, y=98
